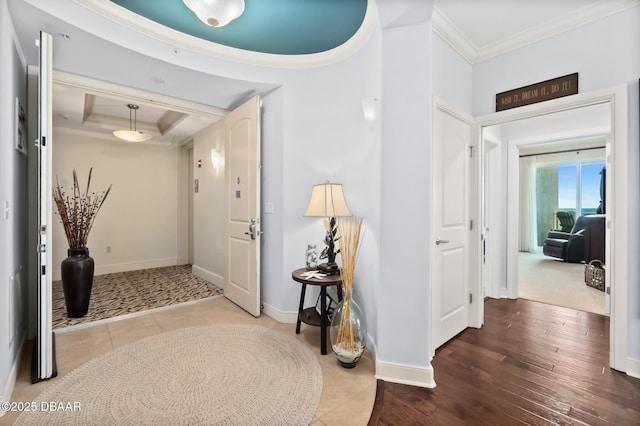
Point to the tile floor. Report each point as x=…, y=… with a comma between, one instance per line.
x=347, y=395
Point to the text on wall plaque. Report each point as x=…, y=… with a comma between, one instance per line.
x=539, y=92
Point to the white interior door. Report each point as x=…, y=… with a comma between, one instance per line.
x=242, y=164
x=608, y=259
x=44, y=361
x=451, y=226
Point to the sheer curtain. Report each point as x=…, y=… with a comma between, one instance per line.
x=528, y=222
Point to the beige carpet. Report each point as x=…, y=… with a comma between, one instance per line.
x=545, y=279
x=213, y=375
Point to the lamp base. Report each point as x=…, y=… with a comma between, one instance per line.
x=329, y=268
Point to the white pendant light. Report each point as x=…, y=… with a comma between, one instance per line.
x=216, y=13
x=132, y=135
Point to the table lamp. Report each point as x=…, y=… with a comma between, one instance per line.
x=327, y=200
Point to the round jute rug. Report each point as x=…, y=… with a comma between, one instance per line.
x=214, y=375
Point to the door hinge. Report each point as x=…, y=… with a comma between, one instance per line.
x=43, y=270
x=609, y=290
x=470, y=297
x=42, y=248
x=471, y=225
x=43, y=141
x=471, y=151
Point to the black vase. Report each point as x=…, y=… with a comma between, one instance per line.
x=77, y=280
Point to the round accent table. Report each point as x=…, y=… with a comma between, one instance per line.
x=310, y=315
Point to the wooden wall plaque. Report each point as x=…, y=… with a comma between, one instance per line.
x=539, y=92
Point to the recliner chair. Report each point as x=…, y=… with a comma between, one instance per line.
x=566, y=221
x=568, y=246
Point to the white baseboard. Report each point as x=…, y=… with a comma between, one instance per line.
x=633, y=367
x=372, y=347
x=13, y=376
x=212, y=277
x=405, y=375
x=125, y=267
x=280, y=316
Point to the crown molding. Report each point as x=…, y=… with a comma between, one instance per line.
x=452, y=35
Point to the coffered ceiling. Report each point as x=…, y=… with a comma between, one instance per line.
x=84, y=110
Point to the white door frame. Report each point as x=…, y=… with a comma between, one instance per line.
x=617, y=206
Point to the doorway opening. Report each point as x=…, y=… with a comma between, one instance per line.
x=560, y=191
x=585, y=117
x=141, y=238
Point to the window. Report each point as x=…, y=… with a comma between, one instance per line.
x=590, y=198
x=566, y=186
x=579, y=188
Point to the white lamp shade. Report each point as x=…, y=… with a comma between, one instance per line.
x=327, y=200
x=132, y=135
x=216, y=13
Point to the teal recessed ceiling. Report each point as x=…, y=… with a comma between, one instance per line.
x=285, y=27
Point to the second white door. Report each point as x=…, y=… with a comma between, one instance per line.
x=451, y=226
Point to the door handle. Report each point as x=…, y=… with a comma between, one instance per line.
x=439, y=241
x=252, y=229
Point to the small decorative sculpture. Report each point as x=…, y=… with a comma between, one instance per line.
x=329, y=252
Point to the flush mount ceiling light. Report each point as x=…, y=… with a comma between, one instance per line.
x=132, y=135
x=216, y=13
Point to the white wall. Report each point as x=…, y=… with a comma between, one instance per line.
x=209, y=206
x=139, y=219
x=327, y=138
x=452, y=76
x=417, y=66
x=13, y=221
x=605, y=53
x=405, y=290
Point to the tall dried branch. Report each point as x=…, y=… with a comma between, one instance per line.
x=78, y=212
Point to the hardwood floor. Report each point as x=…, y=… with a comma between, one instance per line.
x=531, y=363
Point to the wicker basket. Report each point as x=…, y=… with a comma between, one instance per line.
x=594, y=274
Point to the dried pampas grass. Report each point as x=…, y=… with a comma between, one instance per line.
x=349, y=239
